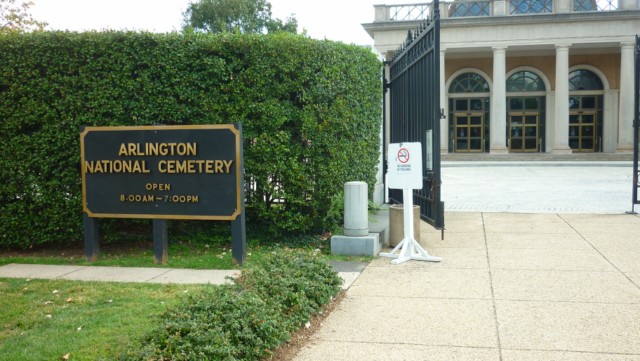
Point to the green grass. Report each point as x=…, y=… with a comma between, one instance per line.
x=45, y=319
x=136, y=255
x=185, y=254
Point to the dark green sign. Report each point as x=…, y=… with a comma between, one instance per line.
x=162, y=172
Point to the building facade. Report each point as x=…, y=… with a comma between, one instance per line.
x=528, y=76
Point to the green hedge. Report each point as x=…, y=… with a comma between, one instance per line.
x=244, y=321
x=310, y=109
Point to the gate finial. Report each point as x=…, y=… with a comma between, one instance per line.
x=409, y=37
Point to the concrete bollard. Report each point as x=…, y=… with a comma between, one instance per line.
x=356, y=209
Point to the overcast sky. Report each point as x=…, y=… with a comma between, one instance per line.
x=331, y=19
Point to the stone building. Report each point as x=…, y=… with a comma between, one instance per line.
x=547, y=76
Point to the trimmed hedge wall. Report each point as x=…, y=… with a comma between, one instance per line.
x=310, y=109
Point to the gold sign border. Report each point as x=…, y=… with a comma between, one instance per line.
x=230, y=127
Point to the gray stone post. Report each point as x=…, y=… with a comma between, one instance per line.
x=356, y=222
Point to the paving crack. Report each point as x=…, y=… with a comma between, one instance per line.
x=600, y=253
x=493, y=296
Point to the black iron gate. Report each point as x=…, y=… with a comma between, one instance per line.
x=636, y=125
x=414, y=85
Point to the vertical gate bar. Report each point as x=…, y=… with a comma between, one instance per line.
x=428, y=198
x=421, y=99
x=415, y=102
x=409, y=92
x=385, y=90
x=438, y=204
x=407, y=112
x=636, y=123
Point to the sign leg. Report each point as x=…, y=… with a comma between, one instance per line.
x=160, y=241
x=91, y=238
x=239, y=240
x=238, y=226
x=409, y=248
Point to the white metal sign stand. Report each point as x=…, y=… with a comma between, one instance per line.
x=405, y=172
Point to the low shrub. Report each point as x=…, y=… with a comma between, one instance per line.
x=222, y=323
x=294, y=283
x=247, y=319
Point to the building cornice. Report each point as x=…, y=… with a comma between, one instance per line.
x=510, y=20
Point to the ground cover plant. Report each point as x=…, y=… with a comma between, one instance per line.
x=248, y=319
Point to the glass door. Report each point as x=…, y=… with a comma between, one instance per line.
x=583, y=131
x=468, y=132
x=523, y=132
x=525, y=126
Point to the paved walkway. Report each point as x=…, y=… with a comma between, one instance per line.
x=510, y=287
x=537, y=187
x=348, y=271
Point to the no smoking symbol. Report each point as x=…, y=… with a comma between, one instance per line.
x=403, y=155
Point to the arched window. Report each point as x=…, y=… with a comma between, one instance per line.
x=469, y=83
x=582, y=79
x=525, y=81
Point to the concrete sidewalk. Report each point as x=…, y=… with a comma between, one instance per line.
x=348, y=271
x=510, y=287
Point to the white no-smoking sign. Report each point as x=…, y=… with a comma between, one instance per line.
x=405, y=172
x=405, y=166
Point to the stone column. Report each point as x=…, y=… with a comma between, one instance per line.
x=610, y=128
x=444, y=123
x=563, y=6
x=444, y=10
x=550, y=102
x=499, y=103
x=628, y=5
x=381, y=13
x=500, y=8
x=625, y=117
x=561, y=111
